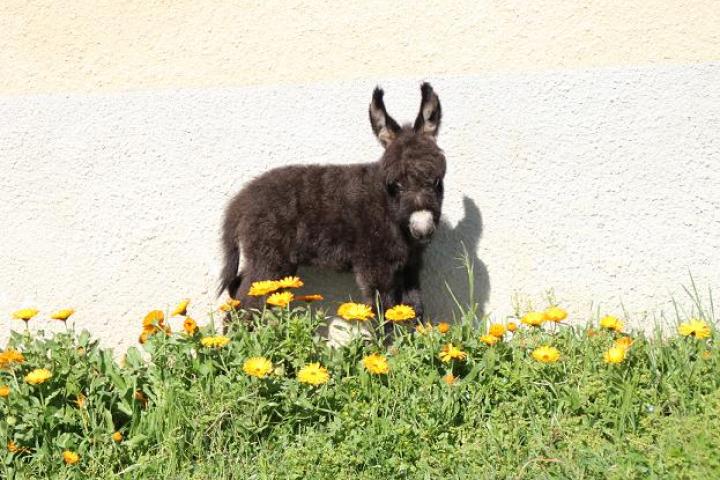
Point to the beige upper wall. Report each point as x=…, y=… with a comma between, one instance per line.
x=57, y=46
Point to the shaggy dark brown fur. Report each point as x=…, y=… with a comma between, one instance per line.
x=345, y=217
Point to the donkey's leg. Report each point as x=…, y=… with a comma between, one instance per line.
x=410, y=293
x=378, y=282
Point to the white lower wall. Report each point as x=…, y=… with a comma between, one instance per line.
x=602, y=184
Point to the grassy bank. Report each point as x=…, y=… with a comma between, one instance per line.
x=194, y=408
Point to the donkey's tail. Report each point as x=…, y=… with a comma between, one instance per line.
x=230, y=278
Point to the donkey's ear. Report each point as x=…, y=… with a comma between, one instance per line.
x=384, y=126
x=428, y=120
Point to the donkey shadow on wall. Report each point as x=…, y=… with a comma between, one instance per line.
x=443, y=269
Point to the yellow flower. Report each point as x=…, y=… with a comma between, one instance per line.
x=423, y=328
x=259, y=367
x=449, y=378
x=611, y=323
x=313, y=374
x=546, y=354
x=694, y=328
x=80, y=400
x=309, y=298
x=443, y=327
x=181, y=309
x=450, y=352
x=154, y=317
x=10, y=356
x=70, y=458
x=511, y=326
x=355, y=311
x=38, y=376
x=555, y=314
x=614, y=355
x=376, y=364
x=400, y=313
x=117, y=437
x=280, y=299
x=534, y=319
x=217, y=341
x=190, y=326
x=4, y=391
x=489, y=339
x=497, y=330
x=290, y=282
x=258, y=289
x=230, y=304
x=624, y=342
x=63, y=314
x=25, y=314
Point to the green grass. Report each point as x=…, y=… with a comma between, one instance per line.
x=656, y=415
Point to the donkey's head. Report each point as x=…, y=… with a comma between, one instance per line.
x=413, y=165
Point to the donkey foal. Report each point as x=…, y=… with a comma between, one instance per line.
x=374, y=219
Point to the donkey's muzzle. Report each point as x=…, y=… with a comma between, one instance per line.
x=422, y=225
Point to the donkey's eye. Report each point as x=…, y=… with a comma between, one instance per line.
x=393, y=188
x=438, y=183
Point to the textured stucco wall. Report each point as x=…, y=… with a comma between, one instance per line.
x=582, y=143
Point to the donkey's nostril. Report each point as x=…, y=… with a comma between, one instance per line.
x=421, y=224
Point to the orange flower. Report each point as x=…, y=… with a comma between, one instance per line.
x=310, y=298
x=4, y=391
x=10, y=356
x=511, y=326
x=449, y=378
x=15, y=448
x=624, y=342
x=190, y=326
x=117, y=437
x=140, y=397
x=443, y=327
x=80, y=400
x=147, y=332
x=154, y=318
x=230, y=304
